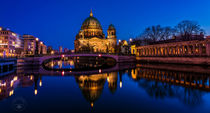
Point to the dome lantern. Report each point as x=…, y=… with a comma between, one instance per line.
x=91, y=13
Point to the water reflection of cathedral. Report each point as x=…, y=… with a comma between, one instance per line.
x=92, y=85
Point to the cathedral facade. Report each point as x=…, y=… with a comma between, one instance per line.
x=92, y=39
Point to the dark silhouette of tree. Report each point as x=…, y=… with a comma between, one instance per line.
x=188, y=28
x=157, y=33
x=185, y=30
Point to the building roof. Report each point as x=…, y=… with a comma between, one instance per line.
x=91, y=23
x=111, y=27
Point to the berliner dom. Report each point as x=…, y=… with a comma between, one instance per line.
x=92, y=39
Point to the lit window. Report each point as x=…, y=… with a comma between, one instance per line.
x=13, y=34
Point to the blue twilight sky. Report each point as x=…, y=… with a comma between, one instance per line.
x=57, y=22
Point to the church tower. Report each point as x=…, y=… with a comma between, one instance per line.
x=111, y=32
x=112, y=38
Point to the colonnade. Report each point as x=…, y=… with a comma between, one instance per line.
x=185, y=48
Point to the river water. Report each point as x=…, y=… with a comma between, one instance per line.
x=69, y=87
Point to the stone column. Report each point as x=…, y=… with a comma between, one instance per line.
x=200, y=49
x=155, y=51
x=194, y=49
x=188, y=50
x=167, y=50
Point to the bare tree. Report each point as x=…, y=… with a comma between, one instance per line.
x=188, y=28
x=157, y=33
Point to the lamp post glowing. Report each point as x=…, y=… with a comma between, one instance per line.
x=131, y=39
x=99, y=70
x=37, y=46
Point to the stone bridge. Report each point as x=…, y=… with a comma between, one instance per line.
x=40, y=70
x=40, y=60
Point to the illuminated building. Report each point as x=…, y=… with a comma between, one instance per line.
x=124, y=47
x=49, y=49
x=92, y=39
x=197, y=46
x=9, y=43
x=133, y=49
x=33, y=46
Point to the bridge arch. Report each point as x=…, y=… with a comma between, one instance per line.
x=46, y=58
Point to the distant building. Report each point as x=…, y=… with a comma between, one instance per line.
x=60, y=49
x=208, y=37
x=124, y=47
x=92, y=39
x=49, y=50
x=33, y=46
x=66, y=50
x=10, y=43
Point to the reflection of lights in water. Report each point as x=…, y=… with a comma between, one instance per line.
x=60, y=64
x=71, y=63
x=40, y=83
x=108, y=78
x=99, y=70
x=120, y=84
x=11, y=83
x=52, y=65
x=11, y=93
x=15, y=78
x=31, y=77
x=3, y=84
x=35, y=91
x=92, y=104
x=63, y=73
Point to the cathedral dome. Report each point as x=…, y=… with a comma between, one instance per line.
x=91, y=23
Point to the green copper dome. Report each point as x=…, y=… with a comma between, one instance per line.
x=91, y=23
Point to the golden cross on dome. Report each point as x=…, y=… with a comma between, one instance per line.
x=91, y=13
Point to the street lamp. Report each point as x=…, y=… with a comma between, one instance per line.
x=37, y=46
x=41, y=51
x=131, y=40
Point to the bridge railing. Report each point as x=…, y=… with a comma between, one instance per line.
x=118, y=54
